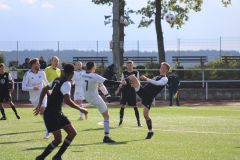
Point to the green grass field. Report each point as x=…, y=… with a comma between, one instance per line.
x=205, y=132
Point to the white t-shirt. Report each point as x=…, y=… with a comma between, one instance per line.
x=90, y=84
x=65, y=88
x=30, y=80
x=76, y=79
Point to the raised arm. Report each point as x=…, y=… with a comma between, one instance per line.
x=160, y=82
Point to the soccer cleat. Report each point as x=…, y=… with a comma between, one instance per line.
x=139, y=124
x=107, y=140
x=120, y=124
x=113, y=99
x=3, y=118
x=80, y=118
x=86, y=116
x=57, y=157
x=149, y=136
x=18, y=116
x=48, y=135
x=39, y=158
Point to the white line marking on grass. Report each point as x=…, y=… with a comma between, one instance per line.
x=210, y=109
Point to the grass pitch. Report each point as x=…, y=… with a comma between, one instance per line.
x=204, y=132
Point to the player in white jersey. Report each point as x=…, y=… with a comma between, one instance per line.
x=91, y=82
x=33, y=81
x=78, y=94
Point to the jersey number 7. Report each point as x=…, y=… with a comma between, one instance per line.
x=86, y=85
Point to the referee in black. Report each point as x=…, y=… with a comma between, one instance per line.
x=173, y=85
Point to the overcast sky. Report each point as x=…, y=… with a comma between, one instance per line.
x=81, y=20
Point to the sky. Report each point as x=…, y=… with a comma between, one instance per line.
x=82, y=20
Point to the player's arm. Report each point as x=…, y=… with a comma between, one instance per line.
x=12, y=82
x=45, y=82
x=120, y=86
x=160, y=82
x=25, y=82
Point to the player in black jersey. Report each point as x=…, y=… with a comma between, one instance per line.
x=55, y=120
x=149, y=91
x=5, y=91
x=128, y=93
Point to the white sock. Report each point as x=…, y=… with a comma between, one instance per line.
x=106, y=127
x=81, y=114
x=44, y=124
x=103, y=89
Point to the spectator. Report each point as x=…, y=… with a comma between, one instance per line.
x=50, y=63
x=52, y=71
x=173, y=85
x=26, y=65
x=109, y=72
x=43, y=64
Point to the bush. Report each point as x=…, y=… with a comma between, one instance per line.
x=2, y=58
x=152, y=74
x=141, y=67
x=13, y=64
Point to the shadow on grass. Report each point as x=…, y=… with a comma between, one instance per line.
x=97, y=129
x=31, y=140
x=101, y=143
x=20, y=133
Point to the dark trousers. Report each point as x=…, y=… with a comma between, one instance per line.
x=172, y=92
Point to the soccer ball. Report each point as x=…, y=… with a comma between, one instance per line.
x=170, y=18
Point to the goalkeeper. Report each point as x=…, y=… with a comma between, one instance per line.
x=173, y=85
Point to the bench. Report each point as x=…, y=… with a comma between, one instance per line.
x=140, y=59
x=227, y=58
x=102, y=60
x=189, y=59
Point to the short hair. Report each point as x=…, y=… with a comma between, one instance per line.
x=33, y=61
x=79, y=62
x=54, y=57
x=129, y=62
x=2, y=64
x=167, y=65
x=68, y=68
x=90, y=65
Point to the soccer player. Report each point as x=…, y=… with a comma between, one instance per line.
x=33, y=81
x=5, y=91
x=52, y=71
x=91, y=82
x=53, y=116
x=128, y=93
x=149, y=91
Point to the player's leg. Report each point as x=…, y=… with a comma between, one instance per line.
x=9, y=99
x=121, y=114
x=137, y=116
x=132, y=101
x=134, y=81
x=170, y=96
x=148, y=121
x=2, y=110
x=106, y=124
x=42, y=109
x=177, y=99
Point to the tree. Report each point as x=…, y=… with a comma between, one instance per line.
x=156, y=10
x=2, y=58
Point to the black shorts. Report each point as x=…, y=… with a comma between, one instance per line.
x=146, y=98
x=129, y=97
x=5, y=95
x=55, y=121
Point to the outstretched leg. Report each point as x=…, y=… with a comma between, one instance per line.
x=148, y=121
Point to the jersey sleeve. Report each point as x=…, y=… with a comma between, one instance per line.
x=137, y=75
x=25, y=82
x=99, y=78
x=50, y=84
x=160, y=82
x=73, y=80
x=66, y=88
x=45, y=81
x=9, y=77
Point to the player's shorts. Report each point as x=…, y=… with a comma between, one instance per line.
x=98, y=103
x=5, y=95
x=78, y=96
x=44, y=102
x=129, y=97
x=55, y=121
x=146, y=98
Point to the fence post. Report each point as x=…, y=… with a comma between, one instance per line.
x=17, y=91
x=178, y=46
x=97, y=53
x=203, y=77
x=17, y=55
x=58, y=49
x=220, y=51
x=138, y=50
x=165, y=93
x=206, y=90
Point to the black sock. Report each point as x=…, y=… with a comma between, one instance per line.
x=48, y=150
x=2, y=111
x=137, y=113
x=149, y=124
x=14, y=109
x=121, y=114
x=64, y=146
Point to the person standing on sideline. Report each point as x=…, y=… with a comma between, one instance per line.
x=109, y=72
x=53, y=115
x=33, y=81
x=5, y=91
x=43, y=64
x=173, y=85
x=149, y=91
x=52, y=71
x=26, y=65
x=128, y=93
x=91, y=83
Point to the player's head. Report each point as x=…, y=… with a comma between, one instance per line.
x=41, y=58
x=2, y=67
x=165, y=67
x=129, y=65
x=34, y=64
x=55, y=61
x=173, y=72
x=68, y=70
x=91, y=66
x=27, y=60
x=79, y=65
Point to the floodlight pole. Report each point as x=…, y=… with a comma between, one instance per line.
x=115, y=37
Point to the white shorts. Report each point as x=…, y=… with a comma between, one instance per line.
x=98, y=103
x=44, y=103
x=78, y=96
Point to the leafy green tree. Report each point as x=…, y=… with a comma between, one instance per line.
x=2, y=58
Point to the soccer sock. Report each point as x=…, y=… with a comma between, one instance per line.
x=81, y=114
x=64, y=146
x=2, y=111
x=149, y=124
x=48, y=150
x=121, y=114
x=14, y=109
x=106, y=127
x=44, y=123
x=103, y=89
x=136, y=113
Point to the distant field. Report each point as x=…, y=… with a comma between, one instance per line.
x=203, y=132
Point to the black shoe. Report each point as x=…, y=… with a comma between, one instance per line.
x=113, y=99
x=149, y=136
x=107, y=140
x=18, y=116
x=57, y=157
x=139, y=124
x=120, y=124
x=3, y=118
x=39, y=158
